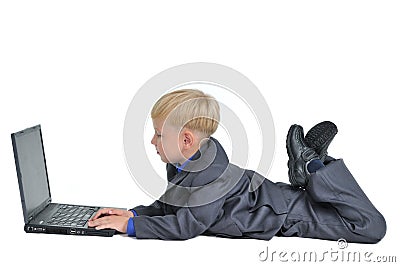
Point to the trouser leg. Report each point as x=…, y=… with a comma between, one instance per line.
x=333, y=206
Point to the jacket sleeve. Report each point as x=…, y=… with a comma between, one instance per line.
x=186, y=223
x=155, y=209
x=191, y=218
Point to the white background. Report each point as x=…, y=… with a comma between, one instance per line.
x=74, y=66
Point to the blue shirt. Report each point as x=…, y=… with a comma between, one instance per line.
x=130, y=230
x=179, y=168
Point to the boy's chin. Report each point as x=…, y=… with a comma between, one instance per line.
x=165, y=160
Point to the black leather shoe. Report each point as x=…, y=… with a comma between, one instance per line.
x=320, y=136
x=299, y=156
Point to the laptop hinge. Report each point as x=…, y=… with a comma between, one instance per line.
x=39, y=209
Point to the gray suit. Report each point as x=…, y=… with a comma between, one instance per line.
x=213, y=197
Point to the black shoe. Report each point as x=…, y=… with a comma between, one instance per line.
x=299, y=156
x=320, y=136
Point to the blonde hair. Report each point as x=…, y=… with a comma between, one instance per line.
x=188, y=108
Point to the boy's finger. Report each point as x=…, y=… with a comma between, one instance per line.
x=115, y=212
x=98, y=222
x=101, y=223
x=100, y=212
x=104, y=226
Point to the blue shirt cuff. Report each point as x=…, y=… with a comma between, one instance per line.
x=130, y=230
x=134, y=212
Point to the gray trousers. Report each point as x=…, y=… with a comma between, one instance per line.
x=332, y=206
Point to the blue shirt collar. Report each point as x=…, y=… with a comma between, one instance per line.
x=179, y=168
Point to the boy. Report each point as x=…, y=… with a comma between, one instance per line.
x=207, y=195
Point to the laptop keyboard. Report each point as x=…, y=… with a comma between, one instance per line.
x=70, y=215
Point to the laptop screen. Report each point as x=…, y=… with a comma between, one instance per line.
x=31, y=170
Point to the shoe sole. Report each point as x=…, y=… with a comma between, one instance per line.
x=292, y=177
x=320, y=136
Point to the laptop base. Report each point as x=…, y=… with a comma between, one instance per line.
x=33, y=228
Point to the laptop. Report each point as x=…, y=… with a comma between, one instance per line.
x=41, y=215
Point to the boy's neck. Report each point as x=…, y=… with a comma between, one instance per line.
x=187, y=156
x=190, y=152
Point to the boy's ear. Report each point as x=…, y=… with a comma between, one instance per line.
x=188, y=139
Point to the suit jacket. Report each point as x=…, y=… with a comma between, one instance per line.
x=211, y=196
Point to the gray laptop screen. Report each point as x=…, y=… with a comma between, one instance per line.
x=31, y=169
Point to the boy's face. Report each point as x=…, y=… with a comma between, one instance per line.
x=167, y=139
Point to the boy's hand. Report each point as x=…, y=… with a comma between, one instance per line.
x=111, y=218
x=112, y=211
x=119, y=223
